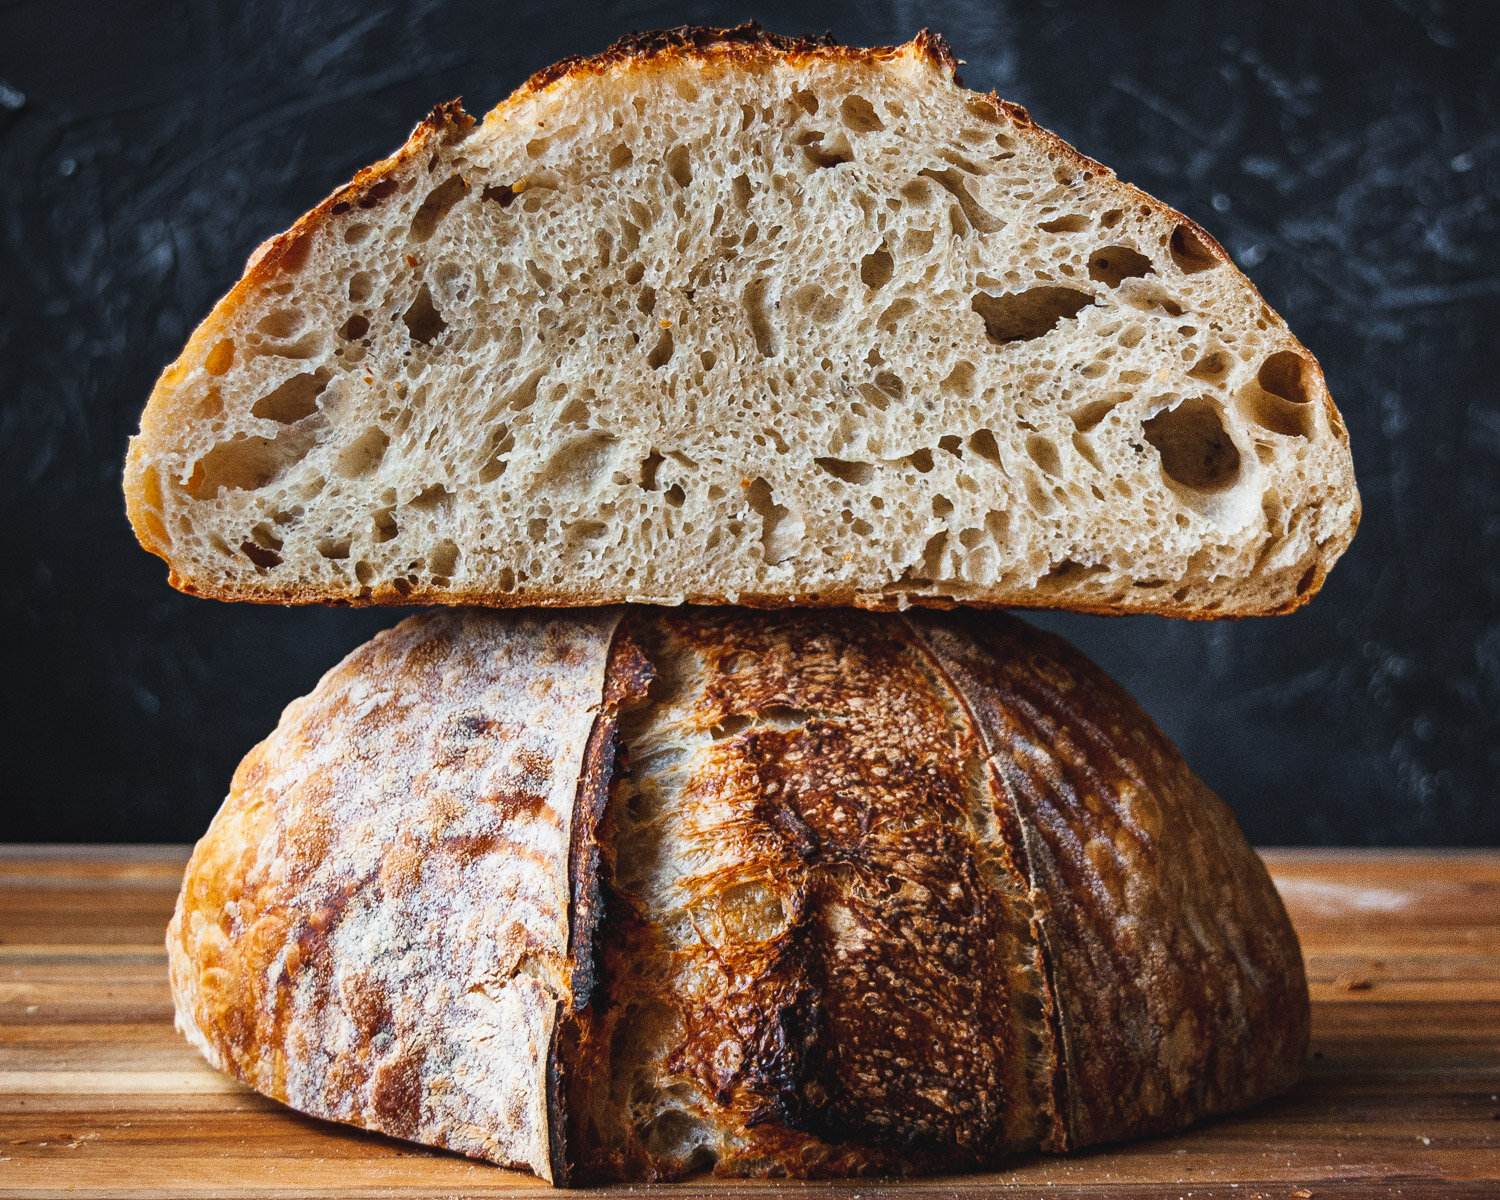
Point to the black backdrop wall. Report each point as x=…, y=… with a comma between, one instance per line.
x=1348, y=155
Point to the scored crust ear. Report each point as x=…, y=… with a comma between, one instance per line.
x=728, y=317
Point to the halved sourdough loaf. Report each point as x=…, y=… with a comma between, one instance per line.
x=729, y=317
x=623, y=894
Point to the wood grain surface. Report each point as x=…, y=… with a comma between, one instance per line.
x=100, y=1097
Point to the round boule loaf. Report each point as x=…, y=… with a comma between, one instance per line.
x=629, y=893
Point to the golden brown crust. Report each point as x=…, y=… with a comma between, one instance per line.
x=1311, y=580
x=1180, y=983
x=957, y=897
x=876, y=1026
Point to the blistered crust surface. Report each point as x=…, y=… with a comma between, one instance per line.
x=375, y=929
x=824, y=965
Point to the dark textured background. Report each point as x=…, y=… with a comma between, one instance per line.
x=1348, y=155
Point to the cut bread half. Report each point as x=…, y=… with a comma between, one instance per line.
x=726, y=317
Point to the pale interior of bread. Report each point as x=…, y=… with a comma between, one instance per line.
x=835, y=330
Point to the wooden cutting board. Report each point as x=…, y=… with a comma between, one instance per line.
x=100, y=1097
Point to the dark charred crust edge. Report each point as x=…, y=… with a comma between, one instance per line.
x=627, y=676
x=742, y=43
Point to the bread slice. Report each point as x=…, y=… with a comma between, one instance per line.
x=728, y=317
x=628, y=893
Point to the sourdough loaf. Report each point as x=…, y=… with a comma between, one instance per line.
x=735, y=318
x=628, y=893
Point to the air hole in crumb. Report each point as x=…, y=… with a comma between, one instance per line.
x=378, y=192
x=1021, y=316
x=959, y=381
x=244, y=463
x=1086, y=417
x=584, y=531
x=443, y=559
x=1067, y=223
x=920, y=460
x=575, y=412
x=1043, y=452
x=432, y=497
x=220, y=358
x=497, y=446
x=930, y=565
x=674, y=495
x=360, y=286
x=281, y=323
x=1212, y=367
x=437, y=205
x=1111, y=218
x=1089, y=455
x=580, y=461
x=849, y=472
x=1285, y=374
x=363, y=455
x=983, y=443
x=1274, y=412
x=423, y=321
x=294, y=252
x=1195, y=450
x=661, y=353
x=1148, y=296
x=760, y=318
x=502, y=194
x=1112, y=264
x=354, y=328
x=264, y=537
x=835, y=152
x=334, y=548
x=950, y=443
x=975, y=213
x=620, y=156
x=1041, y=500
x=1190, y=252
x=859, y=114
x=263, y=558
x=875, y=269
x=649, y=466
x=294, y=399
x=781, y=531
x=1068, y=572
x=941, y=506
x=384, y=520
x=679, y=165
